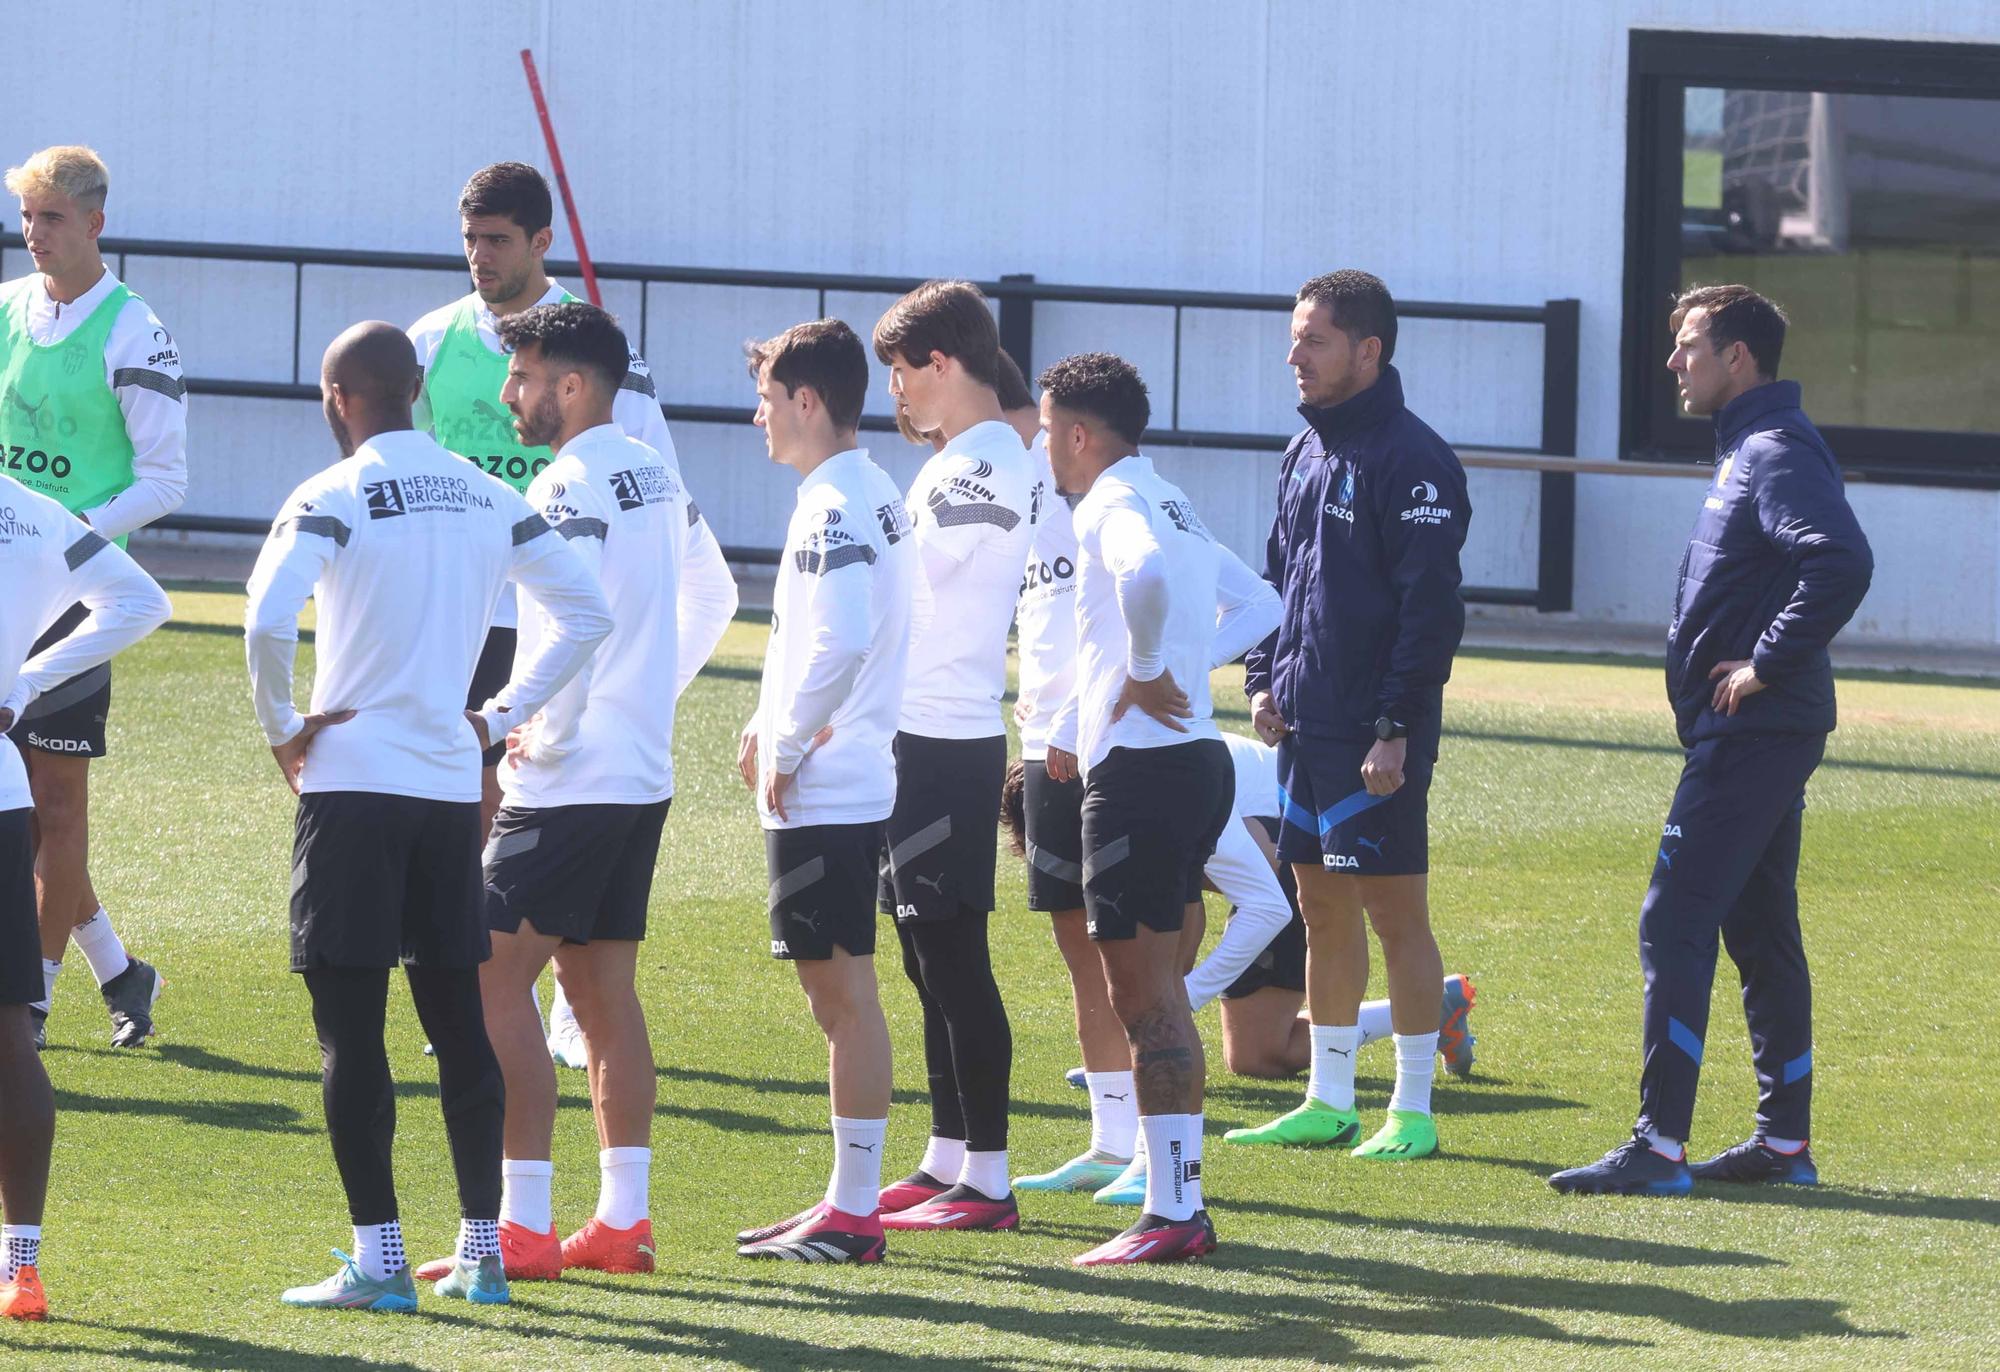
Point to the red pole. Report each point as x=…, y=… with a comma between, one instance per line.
x=562, y=179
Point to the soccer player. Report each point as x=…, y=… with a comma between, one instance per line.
x=93, y=406
x=1247, y=610
x=1050, y=831
x=1157, y=779
x=51, y=560
x=818, y=754
x=1775, y=566
x=404, y=549
x=1372, y=513
x=505, y=214
x=587, y=785
x=972, y=507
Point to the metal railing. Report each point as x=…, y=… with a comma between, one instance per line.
x=1016, y=296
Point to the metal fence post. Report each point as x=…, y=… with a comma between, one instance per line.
x=1555, y=581
x=1017, y=326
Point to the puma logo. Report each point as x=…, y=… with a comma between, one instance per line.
x=1374, y=845
x=864, y=1147
x=1344, y=1052
x=1109, y=904
x=810, y=921
x=935, y=883
x=1108, y=1095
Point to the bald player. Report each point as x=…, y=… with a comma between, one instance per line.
x=405, y=548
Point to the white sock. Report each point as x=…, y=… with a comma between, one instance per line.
x=101, y=947
x=1114, y=1113
x=944, y=1159
x=1375, y=1022
x=524, y=1194
x=478, y=1239
x=856, y=1184
x=378, y=1249
x=23, y=1248
x=1783, y=1145
x=1332, y=1079
x=1416, y=1064
x=50, y=970
x=624, y=1184
x=986, y=1173
x=1173, y=1172
x=1660, y=1143
x=535, y=999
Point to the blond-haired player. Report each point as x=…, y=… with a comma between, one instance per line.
x=93, y=414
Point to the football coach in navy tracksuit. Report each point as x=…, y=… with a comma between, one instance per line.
x=1776, y=565
x=1364, y=551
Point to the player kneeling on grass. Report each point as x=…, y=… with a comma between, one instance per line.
x=50, y=560
x=818, y=754
x=1156, y=777
x=405, y=547
x=586, y=785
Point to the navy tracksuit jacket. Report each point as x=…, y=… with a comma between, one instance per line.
x=1372, y=513
x=1775, y=567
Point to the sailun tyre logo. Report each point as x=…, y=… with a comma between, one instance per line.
x=1426, y=510
x=981, y=470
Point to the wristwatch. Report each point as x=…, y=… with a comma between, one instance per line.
x=1387, y=729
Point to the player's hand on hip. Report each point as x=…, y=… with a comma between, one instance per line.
x=746, y=758
x=1161, y=698
x=1061, y=764
x=6, y=720
x=521, y=741
x=1265, y=719
x=291, y=754
x=478, y=723
x=1382, y=769
x=1739, y=682
x=775, y=787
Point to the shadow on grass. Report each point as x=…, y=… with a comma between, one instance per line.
x=257, y=1117
x=1896, y=1205
x=1366, y=1291
x=1136, y=1316
x=187, y=1349
x=1561, y=1242
x=724, y=1346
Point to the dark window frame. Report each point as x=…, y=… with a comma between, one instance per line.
x=1663, y=64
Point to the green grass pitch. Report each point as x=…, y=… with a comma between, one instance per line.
x=193, y=1179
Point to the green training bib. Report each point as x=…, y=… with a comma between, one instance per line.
x=463, y=389
x=61, y=430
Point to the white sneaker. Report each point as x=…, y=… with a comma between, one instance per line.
x=566, y=1047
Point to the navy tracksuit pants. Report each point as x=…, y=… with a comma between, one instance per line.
x=1728, y=866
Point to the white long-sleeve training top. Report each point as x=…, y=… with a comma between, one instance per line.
x=839, y=648
x=1155, y=593
x=51, y=560
x=606, y=738
x=142, y=365
x=1045, y=615
x=973, y=508
x=406, y=546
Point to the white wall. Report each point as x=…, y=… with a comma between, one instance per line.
x=1463, y=152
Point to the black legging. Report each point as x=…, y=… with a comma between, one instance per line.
x=350, y=1007
x=968, y=1046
